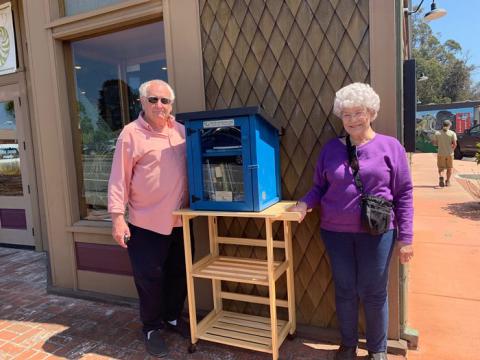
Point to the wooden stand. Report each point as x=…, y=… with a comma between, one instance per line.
x=225, y=327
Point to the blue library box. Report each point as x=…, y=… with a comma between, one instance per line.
x=233, y=159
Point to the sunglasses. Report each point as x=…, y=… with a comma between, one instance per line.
x=155, y=99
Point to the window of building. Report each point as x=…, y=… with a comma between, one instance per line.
x=73, y=7
x=108, y=71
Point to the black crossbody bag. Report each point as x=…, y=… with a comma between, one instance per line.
x=375, y=210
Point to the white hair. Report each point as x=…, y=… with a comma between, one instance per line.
x=356, y=94
x=143, y=89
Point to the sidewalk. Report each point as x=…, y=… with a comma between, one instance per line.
x=444, y=296
x=444, y=286
x=35, y=325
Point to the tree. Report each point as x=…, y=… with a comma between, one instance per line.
x=447, y=68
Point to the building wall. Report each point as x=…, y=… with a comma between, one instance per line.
x=77, y=248
x=291, y=57
x=288, y=56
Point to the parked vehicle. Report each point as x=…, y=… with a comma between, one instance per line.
x=467, y=142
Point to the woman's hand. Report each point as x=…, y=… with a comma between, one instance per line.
x=120, y=230
x=405, y=252
x=300, y=207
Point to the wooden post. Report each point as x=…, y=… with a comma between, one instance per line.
x=190, y=285
x=287, y=230
x=271, y=288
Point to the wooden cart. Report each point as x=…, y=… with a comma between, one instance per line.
x=225, y=327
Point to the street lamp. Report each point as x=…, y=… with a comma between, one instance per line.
x=433, y=14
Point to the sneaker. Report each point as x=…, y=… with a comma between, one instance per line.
x=346, y=353
x=447, y=183
x=155, y=344
x=441, y=182
x=377, y=356
x=182, y=327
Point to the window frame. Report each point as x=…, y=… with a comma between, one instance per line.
x=185, y=75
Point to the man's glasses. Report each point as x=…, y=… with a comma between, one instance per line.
x=155, y=99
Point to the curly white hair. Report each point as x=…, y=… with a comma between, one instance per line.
x=356, y=94
x=143, y=89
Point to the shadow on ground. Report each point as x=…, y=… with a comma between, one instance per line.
x=467, y=210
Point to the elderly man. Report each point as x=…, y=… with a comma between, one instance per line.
x=149, y=178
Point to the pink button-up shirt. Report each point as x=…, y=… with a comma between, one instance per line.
x=149, y=174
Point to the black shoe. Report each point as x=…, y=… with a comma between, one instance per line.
x=441, y=181
x=377, y=356
x=182, y=328
x=154, y=343
x=346, y=353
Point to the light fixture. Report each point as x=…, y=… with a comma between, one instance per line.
x=78, y=67
x=433, y=14
x=164, y=68
x=422, y=77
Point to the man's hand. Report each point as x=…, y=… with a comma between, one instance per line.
x=300, y=207
x=405, y=253
x=120, y=230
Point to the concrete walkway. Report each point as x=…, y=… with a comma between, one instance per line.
x=444, y=287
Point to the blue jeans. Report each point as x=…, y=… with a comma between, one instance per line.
x=359, y=264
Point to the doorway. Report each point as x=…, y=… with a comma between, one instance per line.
x=16, y=168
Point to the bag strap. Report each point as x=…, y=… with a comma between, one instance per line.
x=352, y=157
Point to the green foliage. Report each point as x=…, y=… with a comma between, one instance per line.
x=447, y=68
x=95, y=139
x=477, y=155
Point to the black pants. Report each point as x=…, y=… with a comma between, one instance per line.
x=158, y=264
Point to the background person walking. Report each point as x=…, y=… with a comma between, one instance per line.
x=446, y=140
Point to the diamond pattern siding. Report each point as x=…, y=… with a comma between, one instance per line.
x=290, y=56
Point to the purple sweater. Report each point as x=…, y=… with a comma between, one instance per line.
x=384, y=172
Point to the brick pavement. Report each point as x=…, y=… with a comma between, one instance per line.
x=35, y=325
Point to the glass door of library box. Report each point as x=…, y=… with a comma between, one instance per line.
x=220, y=163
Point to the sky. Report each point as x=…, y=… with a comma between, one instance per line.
x=460, y=24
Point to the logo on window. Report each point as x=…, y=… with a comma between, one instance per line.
x=4, y=45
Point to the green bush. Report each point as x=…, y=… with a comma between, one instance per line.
x=477, y=155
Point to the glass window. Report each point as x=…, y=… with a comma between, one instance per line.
x=73, y=7
x=10, y=173
x=222, y=164
x=108, y=70
x=7, y=116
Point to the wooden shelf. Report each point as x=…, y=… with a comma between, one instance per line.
x=235, y=269
x=277, y=211
x=241, y=330
x=258, y=333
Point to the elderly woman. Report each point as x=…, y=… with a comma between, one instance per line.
x=348, y=168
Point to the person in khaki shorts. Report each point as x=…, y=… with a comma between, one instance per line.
x=446, y=140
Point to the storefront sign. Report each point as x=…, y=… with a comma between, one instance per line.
x=8, y=57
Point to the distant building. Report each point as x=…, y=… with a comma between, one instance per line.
x=463, y=115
